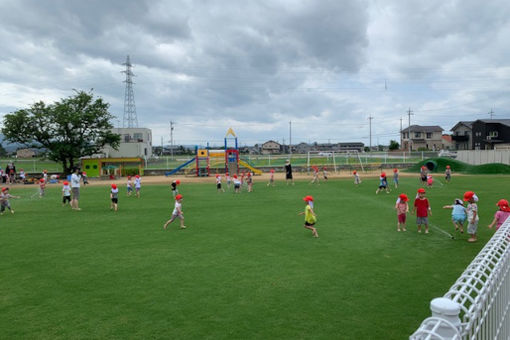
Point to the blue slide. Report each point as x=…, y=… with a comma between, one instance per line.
x=170, y=173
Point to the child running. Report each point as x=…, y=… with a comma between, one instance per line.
x=501, y=215
x=138, y=185
x=472, y=214
x=218, y=184
x=423, y=174
x=84, y=178
x=249, y=181
x=357, y=181
x=66, y=193
x=4, y=200
x=395, y=177
x=177, y=213
x=174, y=185
x=402, y=208
x=422, y=210
x=448, y=174
x=458, y=214
x=383, y=184
x=237, y=185
x=315, y=178
x=114, y=197
x=129, y=186
x=430, y=181
x=310, y=217
x=271, y=178
x=42, y=186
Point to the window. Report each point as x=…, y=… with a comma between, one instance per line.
x=87, y=166
x=138, y=137
x=127, y=138
x=429, y=135
x=417, y=134
x=466, y=133
x=493, y=134
x=94, y=166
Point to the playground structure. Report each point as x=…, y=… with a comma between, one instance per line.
x=228, y=159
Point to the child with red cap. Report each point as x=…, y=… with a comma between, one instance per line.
x=472, y=214
x=423, y=174
x=174, y=185
x=422, y=209
x=4, y=200
x=249, y=181
x=310, y=217
x=383, y=183
x=501, y=215
x=430, y=181
x=218, y=183
x=315, y=178
x=271, y=178
x=356, y=177
x=114, y=196
x=42, y=186
x=402, y=208
x=237, y=185
x=138, y=185
x=395, y=177
x=448, y=174
x=66, y=193
x=177, y=213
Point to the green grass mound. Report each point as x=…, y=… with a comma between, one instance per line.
x=457, y=166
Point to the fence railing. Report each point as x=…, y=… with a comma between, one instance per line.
x=477, y=306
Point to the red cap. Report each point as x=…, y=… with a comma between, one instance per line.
x=468, y=195
x=178, y=197
x=395, y=170
x=248, y=174
x=423, y=167
x=66, y=183
x=421, y=191
x=354, y=172
x=129, y=177
x=308, y=198
x=217, y=175
x=41, y=180
x=502, y=203
x=324, y=168
x=448, y=167
x=235, y=176
x=226, y=173
x=383, y=174
x=272, y=170
x=177, y=181
x=114, y=186
x=403, y=197
x=5, y=189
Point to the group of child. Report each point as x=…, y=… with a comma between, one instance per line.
x=246, y=179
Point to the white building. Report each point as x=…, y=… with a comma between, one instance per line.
x=134, y=142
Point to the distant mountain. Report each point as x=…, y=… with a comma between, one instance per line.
x=9, y=147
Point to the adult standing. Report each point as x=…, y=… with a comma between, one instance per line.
x=75, y=188
x=7, y=173
x=288, y=172
x=12, y=173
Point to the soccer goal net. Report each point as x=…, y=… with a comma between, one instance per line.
x=332, y=160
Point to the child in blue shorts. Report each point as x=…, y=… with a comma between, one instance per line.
x=458, y=214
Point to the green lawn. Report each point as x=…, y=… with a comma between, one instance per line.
x=244, y=269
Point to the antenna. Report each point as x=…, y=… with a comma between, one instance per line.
x=130, y=118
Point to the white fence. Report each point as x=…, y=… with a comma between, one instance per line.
x=477, y=306
x=477, y=157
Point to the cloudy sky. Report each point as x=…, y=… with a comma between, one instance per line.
x=254, y=66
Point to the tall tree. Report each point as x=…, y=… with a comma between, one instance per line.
x=394, y=145
x=71, y=128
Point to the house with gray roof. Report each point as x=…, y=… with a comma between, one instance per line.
x=491, y=134
x=420, y=137
x=462, y=135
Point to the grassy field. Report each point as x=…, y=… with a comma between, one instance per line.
x=244, y=268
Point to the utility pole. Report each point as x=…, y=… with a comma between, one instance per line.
x=130, y=119
x=409, y=113
x=172, y=140
x=290, y=138
x=491, y=113
x=370, y=127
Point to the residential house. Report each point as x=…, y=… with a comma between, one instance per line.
x=422, y=137
x=270, y=147
x=25, y=153
x=462, y=135
x=491, y=134
x=447, y=142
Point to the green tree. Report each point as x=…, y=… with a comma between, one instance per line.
x=394, y=145
x=3, y=152
x=71, y=128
